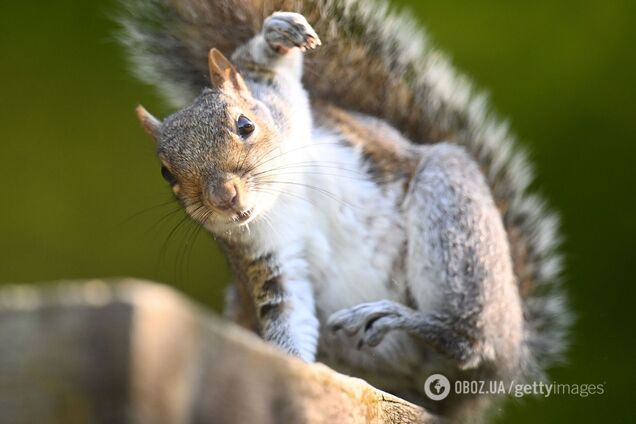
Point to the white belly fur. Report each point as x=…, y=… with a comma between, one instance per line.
x=356, y=233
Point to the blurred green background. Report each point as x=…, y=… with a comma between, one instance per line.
x=82, y=196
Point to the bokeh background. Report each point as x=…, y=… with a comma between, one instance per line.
x=81, y=194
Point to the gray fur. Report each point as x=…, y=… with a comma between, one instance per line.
x=380, y=64
x=458, y=252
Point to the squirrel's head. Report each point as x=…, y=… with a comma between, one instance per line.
x=212, y=149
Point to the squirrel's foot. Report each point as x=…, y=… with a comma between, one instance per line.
x=373, y=320
x=286, y=30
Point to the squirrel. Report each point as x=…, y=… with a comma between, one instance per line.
x=376, y=216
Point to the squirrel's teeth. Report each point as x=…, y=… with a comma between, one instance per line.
x=244, y=214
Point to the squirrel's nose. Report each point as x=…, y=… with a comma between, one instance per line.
x=224, y=196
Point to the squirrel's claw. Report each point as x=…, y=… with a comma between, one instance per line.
x=372, y=320
x=286, y=30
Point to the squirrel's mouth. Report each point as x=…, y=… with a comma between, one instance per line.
x=244, y=216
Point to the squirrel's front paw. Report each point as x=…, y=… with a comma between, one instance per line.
x=286, y=30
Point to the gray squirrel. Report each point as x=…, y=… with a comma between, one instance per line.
x=375, y=215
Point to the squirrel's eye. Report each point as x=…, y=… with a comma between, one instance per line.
x=245, y=126
x=167, y=175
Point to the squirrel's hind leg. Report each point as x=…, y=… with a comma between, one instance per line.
x=458, y=263
x=464, y=300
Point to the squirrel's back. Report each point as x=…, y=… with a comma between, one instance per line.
x=381, y=64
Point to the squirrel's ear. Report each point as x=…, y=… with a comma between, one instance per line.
x=149, y=123
x=222, y=72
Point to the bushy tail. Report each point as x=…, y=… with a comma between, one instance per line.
x=380, y=63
